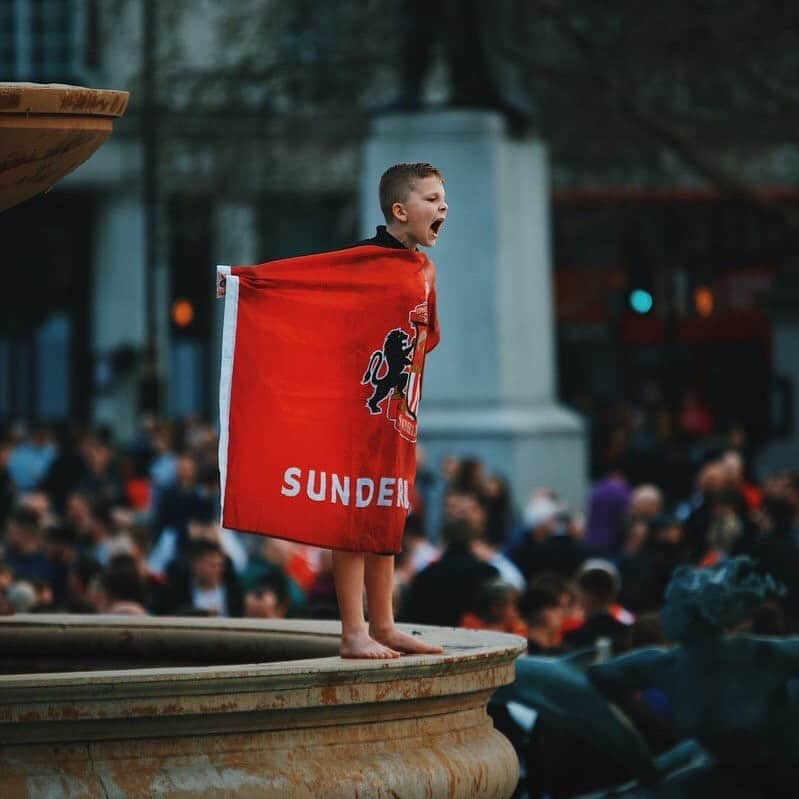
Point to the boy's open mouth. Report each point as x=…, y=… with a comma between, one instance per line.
x=436, y=226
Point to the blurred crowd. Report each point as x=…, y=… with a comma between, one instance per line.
x=93, y=526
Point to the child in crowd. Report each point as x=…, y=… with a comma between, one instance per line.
x=413, y=204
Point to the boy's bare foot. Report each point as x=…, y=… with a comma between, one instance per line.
x=409, y=644
x=362, y=645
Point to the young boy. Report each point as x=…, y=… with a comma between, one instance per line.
x=312, y=448
x=413, y=203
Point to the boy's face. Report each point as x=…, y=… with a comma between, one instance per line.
x=422, y=214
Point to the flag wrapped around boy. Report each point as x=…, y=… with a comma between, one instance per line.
x=322, y=364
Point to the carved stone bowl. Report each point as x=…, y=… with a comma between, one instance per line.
x=173, y=707
x=47, y=130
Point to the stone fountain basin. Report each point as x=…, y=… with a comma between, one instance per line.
x=47, y=131
x=255, y=709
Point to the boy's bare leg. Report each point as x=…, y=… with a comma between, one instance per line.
x=379, y=576
x=348, y=572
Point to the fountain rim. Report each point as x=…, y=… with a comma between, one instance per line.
x=60, y=99
x=463, y=648
x=185, y=701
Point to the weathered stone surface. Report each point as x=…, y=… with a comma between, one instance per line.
x=317, y=726
x=47, y=131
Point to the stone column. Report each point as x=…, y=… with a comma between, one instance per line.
x=234, y=245
x=118, y=305
x=489, y=388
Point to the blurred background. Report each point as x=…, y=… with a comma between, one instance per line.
x=671, y=248
x=659, y=313
x=673, y=188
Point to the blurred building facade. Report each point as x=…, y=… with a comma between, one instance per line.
x=111, y=311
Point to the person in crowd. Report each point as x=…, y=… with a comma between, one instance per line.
x=646, y=502
x=322, y=603
x=68, y=469
x=163, y=468
x=7, y=488
x=462, y=504
x=30, y=459
x=776, y=551
x=542, y=610
x=553, y=542
x=268, y=561
x=696, y=513
x=441, y=593
x=270, y=599
x=419, y=550
x=572, y=612
x=539, y=519
x=726, y=534
x=646, y=565
x=21, y=596
x=92, y=520
x=734, y=468
x=209, y=584
x=61, y=548
x=180, y=502
x=6, y=577
x=81, y=595
x=39, y=502
x=469, y=477
x=101, y=481
x=495, y=607
x=695, y=418
x=499, y=510
x=45, y=600
x=25, y=550
x=122, y=588
x=599, y=583
x=608, y=505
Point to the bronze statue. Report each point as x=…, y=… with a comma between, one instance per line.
x=734, y=697
x=478, y=42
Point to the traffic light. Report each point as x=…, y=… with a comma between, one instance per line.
x=641, y=301
x=640, y=288
x=182, y=312
x=704, y=301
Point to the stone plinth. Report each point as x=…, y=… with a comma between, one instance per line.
x=289, y=720
x=489, y=389
x=47, y=131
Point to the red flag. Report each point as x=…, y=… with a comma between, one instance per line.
x=322, y=363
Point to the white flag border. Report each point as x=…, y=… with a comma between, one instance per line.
x=231, y=295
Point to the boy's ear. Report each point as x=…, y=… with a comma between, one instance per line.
x=399, y=212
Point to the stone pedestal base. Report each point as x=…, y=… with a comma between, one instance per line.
x=530, y=447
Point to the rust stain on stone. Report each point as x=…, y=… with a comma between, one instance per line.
x=10, y=99
x=328, y=695
x=88, y=101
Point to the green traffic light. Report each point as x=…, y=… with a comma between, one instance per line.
x=641, y=301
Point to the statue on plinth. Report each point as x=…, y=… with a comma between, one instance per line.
x=479, y=43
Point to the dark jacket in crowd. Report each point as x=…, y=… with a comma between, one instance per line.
x=559, y=553
x=177, y=507
x=175, y=597
x=34, y=566
x=441, y=593
x=600, y=625
x=645, y=575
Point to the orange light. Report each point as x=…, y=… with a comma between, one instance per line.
x=704, y=301
x=182, y=312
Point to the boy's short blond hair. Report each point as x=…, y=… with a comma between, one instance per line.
x=398, y=180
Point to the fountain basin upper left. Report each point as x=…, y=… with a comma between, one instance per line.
x=47, y=131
